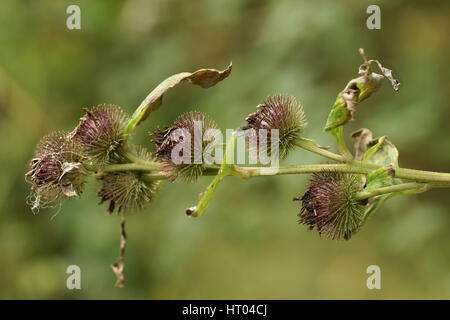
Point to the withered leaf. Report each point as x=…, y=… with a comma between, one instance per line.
x=347, y=101
x=351, y=98
x=357, y=90
x=388, y=74
x=65, y=182
x=361, y=139
x=68, y=190
x=204, y=78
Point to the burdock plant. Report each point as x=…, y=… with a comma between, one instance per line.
x=331, y=205
x=57, y=170
x=101, y=133
x=183, y=131
x=337, y=203
x=280, y=112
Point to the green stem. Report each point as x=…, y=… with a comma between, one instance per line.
x=126, y=167
x=138, y=160
x=206, y=197
x=420, y=175
x=390, y=189
x=227, y=168
x=155, y=169
x=341, y=143
x=249, y=172
x=159, y=175
x=413, y=187
x=310, y=146
x=410, y=174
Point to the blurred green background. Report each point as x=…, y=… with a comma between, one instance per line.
x=248, y=244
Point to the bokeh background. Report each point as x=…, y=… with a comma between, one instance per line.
x=248, y=244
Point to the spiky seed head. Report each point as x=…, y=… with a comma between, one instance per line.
x=281, y=112
x=127, y=191
x=330, y=205
x=56, y=171
x=101, y=132
x=184, y=130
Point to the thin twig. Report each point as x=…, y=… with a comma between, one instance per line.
x=119, y=266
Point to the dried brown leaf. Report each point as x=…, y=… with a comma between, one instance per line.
x=204, y=78
x=361, y=139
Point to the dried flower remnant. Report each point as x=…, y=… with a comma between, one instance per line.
x=330, y=205
x=190, y=129
x=56, y=171
x=281, y=112
x=101, y=132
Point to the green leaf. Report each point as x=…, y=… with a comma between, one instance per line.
x=357, y=90
x=204, y=78
x=375, y=203
x=382, y=177
x=313, y=143
x=347, y=101
x=381, y=152
x=339, y=114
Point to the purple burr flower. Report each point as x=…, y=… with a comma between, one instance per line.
x=330, y=205
x=56, y=171
x=281, y=112
x=101, y=132
x=188, y=129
